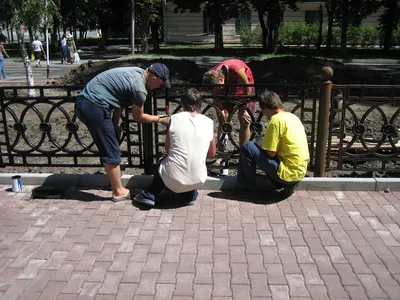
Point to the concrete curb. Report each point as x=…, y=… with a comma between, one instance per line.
x=212, y=183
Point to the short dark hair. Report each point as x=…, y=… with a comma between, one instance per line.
x=191, y=99
x=270, y=100
x=212, y=76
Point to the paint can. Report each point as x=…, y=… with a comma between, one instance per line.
x=16, y=184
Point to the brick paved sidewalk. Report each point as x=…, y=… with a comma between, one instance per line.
x=316, y=245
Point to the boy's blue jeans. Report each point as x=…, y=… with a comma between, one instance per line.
x=251, y=156
x=2, y=72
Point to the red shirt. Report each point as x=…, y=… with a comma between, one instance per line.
x=234, y=65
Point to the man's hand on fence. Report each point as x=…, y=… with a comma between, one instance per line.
x=164, y=120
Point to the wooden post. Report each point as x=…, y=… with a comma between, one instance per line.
x=323, y=121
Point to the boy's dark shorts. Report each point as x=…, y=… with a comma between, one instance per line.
x=99, y=122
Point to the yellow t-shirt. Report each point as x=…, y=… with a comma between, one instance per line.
x=286, y=136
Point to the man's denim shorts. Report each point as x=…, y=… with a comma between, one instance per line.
x=99, y=122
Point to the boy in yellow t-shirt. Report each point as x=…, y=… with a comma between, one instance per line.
x=283, y=155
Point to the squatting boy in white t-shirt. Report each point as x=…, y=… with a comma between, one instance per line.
x=190, y=140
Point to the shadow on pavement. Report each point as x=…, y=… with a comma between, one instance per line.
x=259, y=197
x=69, y=193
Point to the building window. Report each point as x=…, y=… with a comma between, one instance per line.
x=208, y=23
x=243, y=21
x=312, y=16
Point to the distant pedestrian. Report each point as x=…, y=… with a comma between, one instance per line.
x=2, y=51
x=71, y=48
x=64, y=49
x=37, y=48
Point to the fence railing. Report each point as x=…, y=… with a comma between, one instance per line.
x=358, y=132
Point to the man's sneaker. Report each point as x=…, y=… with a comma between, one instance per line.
x=145, y=198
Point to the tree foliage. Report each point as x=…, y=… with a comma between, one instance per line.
x=219, y=11
x=273, y=10
x=389, y=21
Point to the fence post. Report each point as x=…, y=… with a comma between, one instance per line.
x=323, y=121
x=148, y=156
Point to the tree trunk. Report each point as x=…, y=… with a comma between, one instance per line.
x=345, y=25
x=270, y=26
x=330, y=26
x=27, y=62
x=321, y=21
x=219, y=39
x=264, y=30
x=155, y=35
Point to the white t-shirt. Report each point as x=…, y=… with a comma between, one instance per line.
x=36, y=45
x=63, y=42
x=184, y=169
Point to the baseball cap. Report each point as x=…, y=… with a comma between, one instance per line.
x=161, y=71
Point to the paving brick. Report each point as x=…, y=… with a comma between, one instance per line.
x=175, y=238
x=74, y=284
x=324, y=264
x=164, y=291
x=334, y=287
x=346, y=274
x=31, y=270
x=252, y=246
x=158, y=245
x=189, y=245
x=39, y=283
x=303, y=255
x=184, y=285
x=64, y=272
x=318, y=292
x=202, y=291
x=275, y=274
x=239, y=274
x=280, y=292
x=172, y=254
x=371, y=286
x=203, y=273
x=221, y=263
x=296, y=285
x=311, y=275
x=111, y=283
x=205, y=254
x=87, y=262
x=382, y=275
x=133, y=272
x=241, y=292
x=99, y=271
x=222, y=289
x=168, y=273
x=336, y=255
x=186, y=264
x=108, y=252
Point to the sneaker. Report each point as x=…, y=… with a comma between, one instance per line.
x=145, y=198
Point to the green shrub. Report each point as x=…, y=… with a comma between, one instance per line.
x=369, y=35
x=396, y=36
x=353, y=36
x=249, y=37
x=286, y=33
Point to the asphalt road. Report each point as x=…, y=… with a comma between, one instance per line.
x=16, y=72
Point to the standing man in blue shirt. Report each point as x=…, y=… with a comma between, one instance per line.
x=115, y=90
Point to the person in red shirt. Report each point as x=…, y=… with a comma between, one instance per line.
x=231, y=72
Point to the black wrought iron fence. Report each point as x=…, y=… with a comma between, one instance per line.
x=358, y=132
x=298, y=99
x=364, y=131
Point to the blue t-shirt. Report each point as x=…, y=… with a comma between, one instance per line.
x=117, y=88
